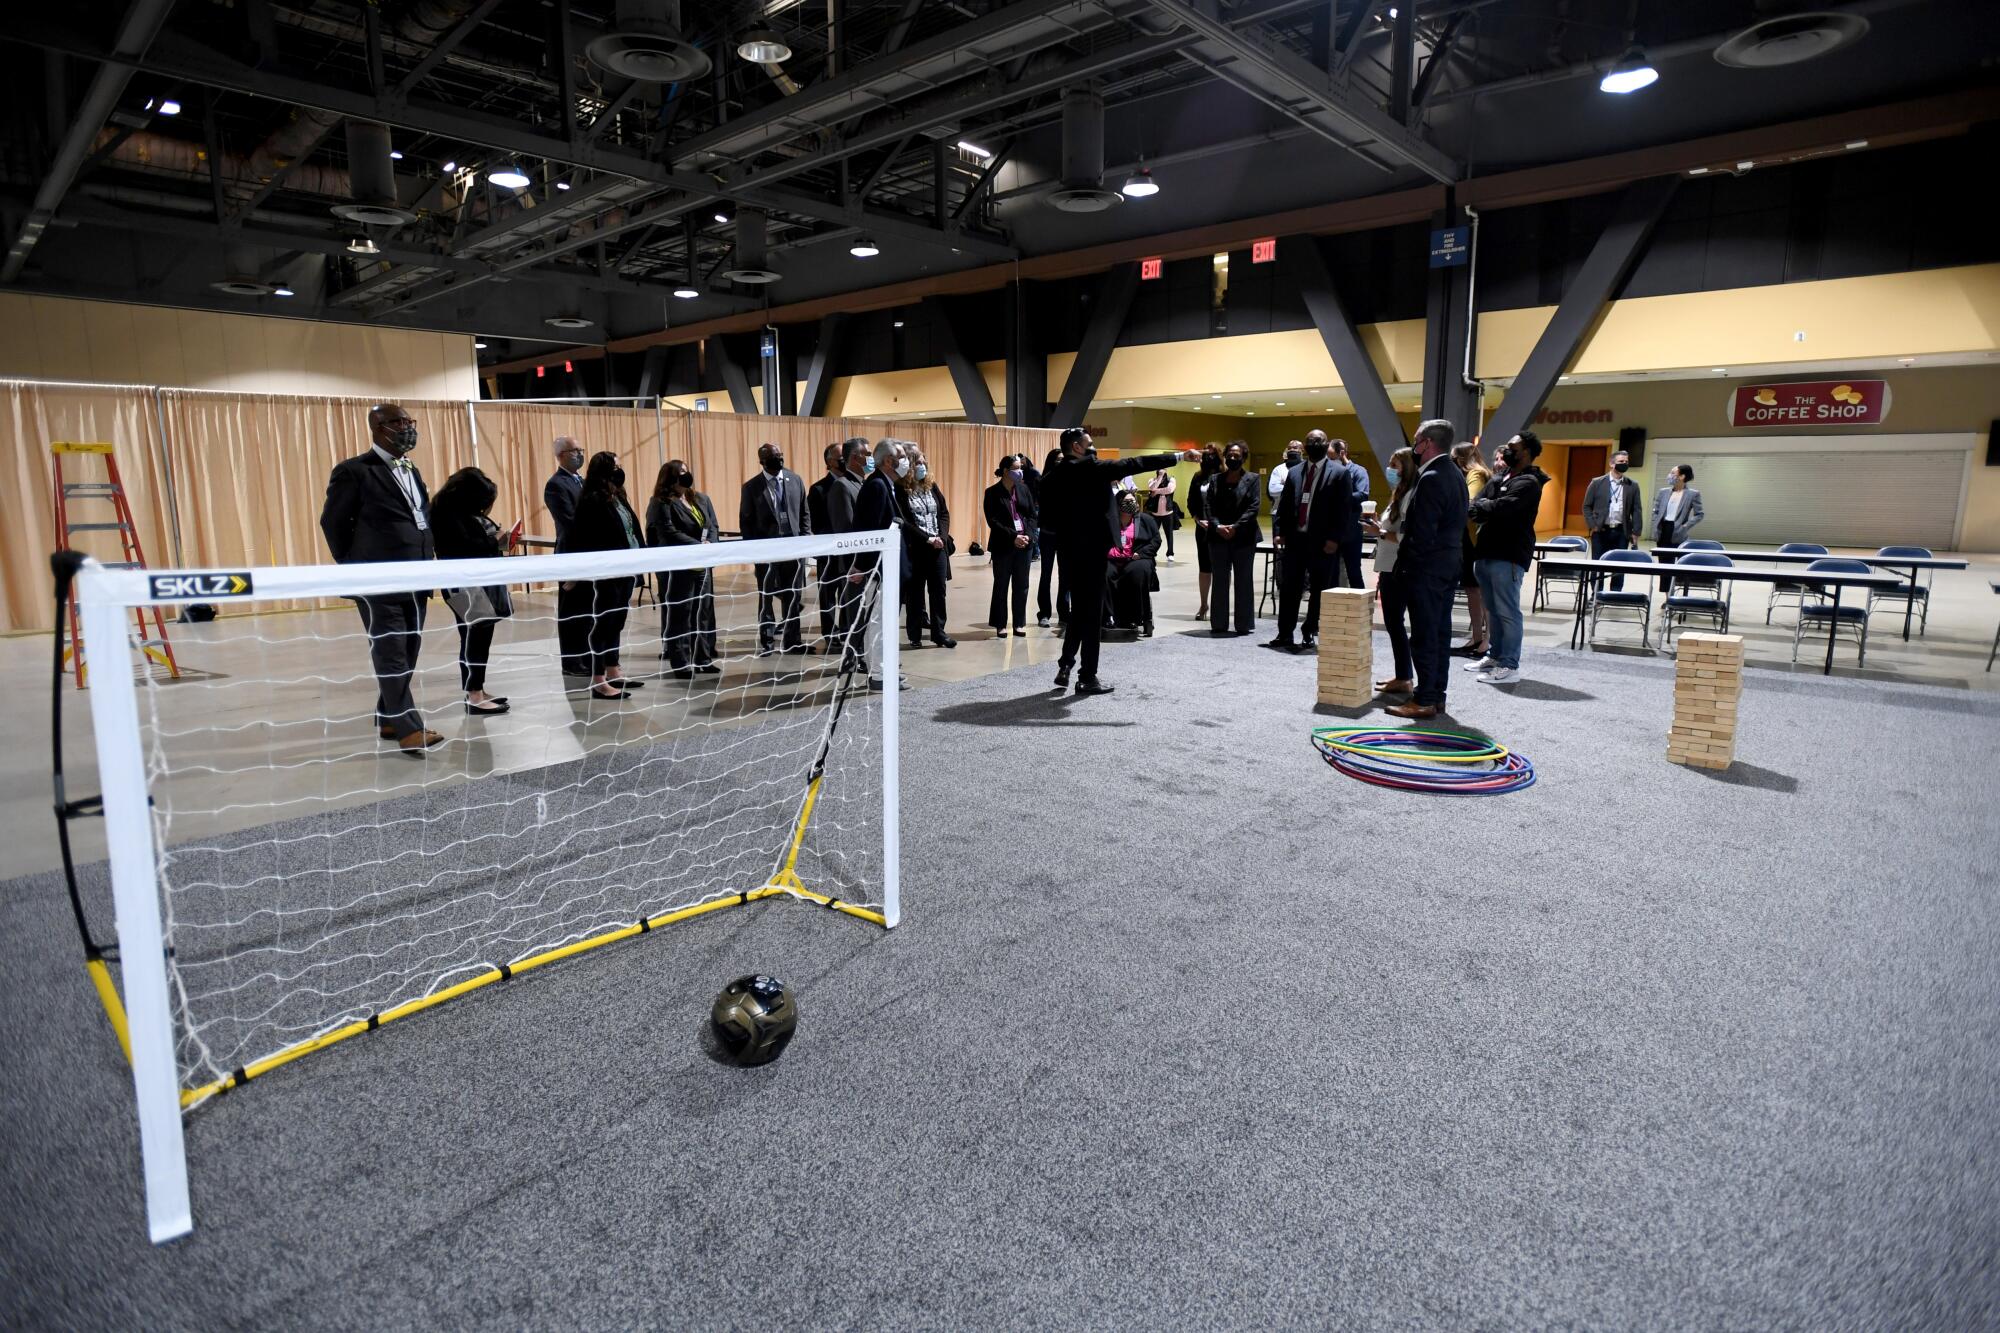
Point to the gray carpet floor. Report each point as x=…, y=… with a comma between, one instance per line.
x=1182, y=1028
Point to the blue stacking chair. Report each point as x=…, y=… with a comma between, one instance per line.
x=1625, y=602
x=1850, y=619
x=1547, y=580
x=1697, y=599
x=1921, y=594
x=1796, y=593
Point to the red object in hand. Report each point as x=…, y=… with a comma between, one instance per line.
x=514, y=534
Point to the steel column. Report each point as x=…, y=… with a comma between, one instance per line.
x=1107, y=320
x=824, y=365
x=1303, y=263
x=973, y=395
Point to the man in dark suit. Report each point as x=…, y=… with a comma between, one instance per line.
x=1315, y=509
x=1429, y=558
x=560, y=493
x=377, y=509
x=1612, y=512
x=1350, y=541
x=877, y=505
x=1077, y=505
x=819, y=500
x=774, y=505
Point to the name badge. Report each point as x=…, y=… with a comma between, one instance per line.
x=1019, y=526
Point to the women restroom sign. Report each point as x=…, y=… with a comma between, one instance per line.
x=1813, y=403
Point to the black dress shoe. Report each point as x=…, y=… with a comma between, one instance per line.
x=946, y=642
x=491, y=708
x=683, y=673
x=1309, y=644
x=1062, y=676
x=1280, y=642
x=1145, y=631
x=1020, y=634
x=1094, y=687
x=708, y=668
x=1469, y=650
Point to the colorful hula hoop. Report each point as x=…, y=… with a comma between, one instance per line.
x=1440, y=762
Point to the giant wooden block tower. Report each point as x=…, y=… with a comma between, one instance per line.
x=1708, y=682
x=1346, y=647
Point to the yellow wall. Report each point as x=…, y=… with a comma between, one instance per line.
x=51, y=338
x=1251, y=363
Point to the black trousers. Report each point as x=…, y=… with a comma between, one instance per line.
x=610, y=604
x=1083, y=627
x=395, y=625
x=1010, y=586
x=1665, y=537
x=1235, y=566
x=573, y=627
x=829, y=584
x=475, y=645
x=781, y=593
x=687, y=618
x=1430, y=597
x=850, y=629
x=1306, y=573
x=923, y=593
x=1166, y=522
x=1395, y=617
x=1049, y=563
x=1610, y=539
x=1350, y=559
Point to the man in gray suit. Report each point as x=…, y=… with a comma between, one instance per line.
x=1611, y=512
x=774, y=505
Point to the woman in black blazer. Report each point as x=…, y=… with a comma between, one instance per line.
x=927, y=539
x=462, y=530
x=680, y=515
x=1013, y=522
x=605, y=522
x=1234, y=497
x=1197, y=510
x=1130, y=580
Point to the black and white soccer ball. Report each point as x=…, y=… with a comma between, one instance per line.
x=753, y=1020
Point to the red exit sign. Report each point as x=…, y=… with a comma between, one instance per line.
x=1149, y=269
x=1264, y=251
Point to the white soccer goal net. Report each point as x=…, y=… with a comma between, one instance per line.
x=289, y=873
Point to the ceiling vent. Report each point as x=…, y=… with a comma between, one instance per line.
x=1082, y=189
x=750, y=265
x=645, y=43
x=1790, y=40
x=371, y=178
x=567, y=322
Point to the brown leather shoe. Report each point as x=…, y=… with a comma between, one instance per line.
x=1413, y=710
x=1395, y=685
x=388, y=733
x=418, y=741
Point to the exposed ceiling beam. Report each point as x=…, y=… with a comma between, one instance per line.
x=177, y=58
x=1273, y=74
x=142, y=24
x=444, y=46
x=1441, y=51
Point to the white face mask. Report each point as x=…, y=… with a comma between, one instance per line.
x=902, y=467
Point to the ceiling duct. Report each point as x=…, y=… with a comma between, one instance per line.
x=371, y=176
x=645, y=44
x=243, y=279
x=1082, y=189
x=1791, y=40
x=749, y=264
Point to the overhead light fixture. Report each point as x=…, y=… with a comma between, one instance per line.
x=1906, y=360
x=864, y=247
x=562, y=185
x=170, y=107
x=1629, y=75
x=762, y=46
x=282, y=290
x=479, y=347
x=1312, y=390
x=722, y=217
x=362, y=245
x=1277, y=404
x=1856, y=143
x=899, y=323
x=1215, y=395
x=1140, y=185
x=510, y=176
x=449, y=166
x=1721, y=370
x=395, y=155
x=1197, y=407
x=974, y=149
x=567, y=322
x=1745, y=166
x=1697, y=171
x=686, y=292
x=1251, y=413
x=1128, y=402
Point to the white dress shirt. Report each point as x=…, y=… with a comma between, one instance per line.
x=406, y=482
x=1616, y=518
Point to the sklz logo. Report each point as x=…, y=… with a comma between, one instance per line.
x=169, y=587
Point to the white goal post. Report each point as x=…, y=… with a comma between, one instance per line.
x=135, y=768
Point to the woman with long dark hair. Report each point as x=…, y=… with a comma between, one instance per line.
x=461, y=529
x=680, y=515
x=605, y=522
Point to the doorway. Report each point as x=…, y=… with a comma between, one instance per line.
x=1585, y=463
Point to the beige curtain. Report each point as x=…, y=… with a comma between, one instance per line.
x=32, y=417
x=516, y=449
x=250, y=470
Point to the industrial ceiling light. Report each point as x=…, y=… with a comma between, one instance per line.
x=899, y=323
x=686, y=292
x=1629, y=75
x=864, y=247
x=508, y=175
x=479, y=347
x=170, y=107
x=567, y=322
x=395, y=155
x=282, y=290
x=974, y=149
x=762, y=46
x=562, y=185
x=449, y=167
x=1140, y=185
x=722, y=217
x=362, y=245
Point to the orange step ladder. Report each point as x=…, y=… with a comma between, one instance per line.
x=131, y=556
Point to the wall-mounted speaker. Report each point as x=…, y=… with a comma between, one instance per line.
x=1632, y=439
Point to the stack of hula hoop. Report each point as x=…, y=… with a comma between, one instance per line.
x=1446, y=763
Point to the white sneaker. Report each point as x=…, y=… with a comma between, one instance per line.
x=1483, y=664
x=1500, y=676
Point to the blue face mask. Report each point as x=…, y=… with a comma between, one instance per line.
x=923, y=470
x=1018, y=475
x=867, y=465
x=1392, y=475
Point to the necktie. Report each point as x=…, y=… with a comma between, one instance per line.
x=1305, y=492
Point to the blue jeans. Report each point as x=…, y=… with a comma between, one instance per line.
x=1500, y=584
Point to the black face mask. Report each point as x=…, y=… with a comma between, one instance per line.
x=618, y=476
x=685, y=481
x=1316, y=452
x=1619, y=468
x=402, y=438
x=774, y=465
x=1511, y=459
x=1234, y=464
x=1211, y=464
